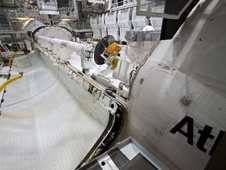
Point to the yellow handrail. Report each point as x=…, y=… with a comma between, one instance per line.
x=10, y=59
x=10, y=81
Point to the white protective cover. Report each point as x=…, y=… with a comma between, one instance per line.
x=102, y=25
x=156, y=23
x=138, y=21
x=124, y=22
x=94, y=23
x=112, y=25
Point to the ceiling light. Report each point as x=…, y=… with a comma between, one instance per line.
x=24, y=18
x=68, y=19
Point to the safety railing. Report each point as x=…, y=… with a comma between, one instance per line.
x=24, y=10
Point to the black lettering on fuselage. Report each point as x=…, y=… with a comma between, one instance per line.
x=189, y=134
x=205, y=134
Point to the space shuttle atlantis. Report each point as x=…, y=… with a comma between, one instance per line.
x=77, y=99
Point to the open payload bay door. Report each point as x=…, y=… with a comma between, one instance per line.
x=53, y=120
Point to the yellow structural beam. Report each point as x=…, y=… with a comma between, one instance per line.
x=10, y=81
x=10, y=59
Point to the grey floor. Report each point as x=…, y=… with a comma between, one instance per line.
x=42, y=125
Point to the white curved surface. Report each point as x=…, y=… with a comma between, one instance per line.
x=43, y=123
x=183, y=77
